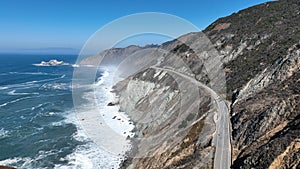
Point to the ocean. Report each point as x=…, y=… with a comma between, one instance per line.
x=38, y=124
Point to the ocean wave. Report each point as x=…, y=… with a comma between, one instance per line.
x=100, y=80
x=53, y=95
x=21, y=110
x=13, y=93
x=87, y=65
x=11, y=161
x=30, y=108
x=27, y=73
x=31, y=73
x=20, y=85
x=3, y=133
x=56, y=86
x=89, y=155
x=75, y=65
x=19, y=162
x=14, y=101
x=58, y=123
x=81, y=86
x=105, y=74
x=27, y=162
x=45, y=80
x=38, y=106
x=30, y=84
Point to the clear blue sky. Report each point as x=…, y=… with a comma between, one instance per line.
x=28, y=24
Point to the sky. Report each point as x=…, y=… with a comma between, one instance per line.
x=52, y=24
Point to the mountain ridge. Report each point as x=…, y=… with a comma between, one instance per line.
x=260, y=51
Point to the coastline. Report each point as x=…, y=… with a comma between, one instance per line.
x=107, y=126
x=130, y=153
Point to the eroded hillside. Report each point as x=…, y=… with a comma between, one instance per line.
x=259, y=48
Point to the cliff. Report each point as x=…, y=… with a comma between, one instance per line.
x=259, y=54
x=170, y=132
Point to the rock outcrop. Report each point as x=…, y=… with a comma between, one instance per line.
x=53, y=62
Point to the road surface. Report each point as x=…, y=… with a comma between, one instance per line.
x=222, y=158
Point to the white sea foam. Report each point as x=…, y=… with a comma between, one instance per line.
x=20, y=163
x=89, y=155
x=31, y=73
x=75, y=65
x=30, y=83
x=3, y=133
x=13, y=93
x=58, y=123
x=116, y=120
x=100, y=80
x=32, y=108
x=10, y=161
x=56, y=86
x=108, y=149
x=27, y=73
x=26, y=162
x=14, y=101
x=88, y=65
x=21, y=110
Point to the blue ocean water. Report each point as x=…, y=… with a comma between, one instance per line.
x=35, y=103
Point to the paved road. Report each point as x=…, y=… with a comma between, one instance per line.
x=222, y=135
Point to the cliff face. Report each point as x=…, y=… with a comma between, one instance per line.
x=170, y=132
x=262, y=56
x=260, y=51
